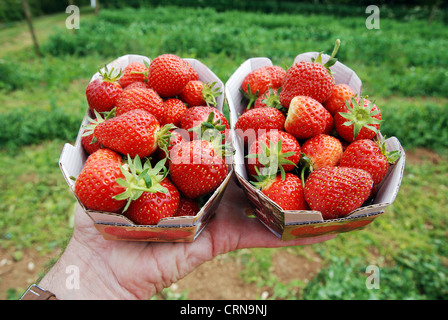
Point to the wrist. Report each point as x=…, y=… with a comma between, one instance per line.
x=80, y=274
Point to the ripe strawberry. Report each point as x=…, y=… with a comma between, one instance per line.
x=286, y=192
x=140, y=98
x=360, y=120
x=322, y=151
x=168, y=74
x=269, y=99
x=198, y=167
x=102, y=93
x=306, y=118
x=168, y=141
x=197, y=93
x=336, y=102
x=319, y=151
x=255, y=122
x=137, y=84
x=187, y=207
x=96, y=185
x=150, y=207
x=370, y=156
x=198, y=120
x=134, y=72
x=305, y=78
x=173, y=111
x=258, y=81
x=103, y=154
x=337, y=191
x=132, y=133
x=275, y=151
x=89, y=142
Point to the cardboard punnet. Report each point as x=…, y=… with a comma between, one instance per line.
x=289, y=225
x=118, y=227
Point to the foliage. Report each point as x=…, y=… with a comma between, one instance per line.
x=416, y=275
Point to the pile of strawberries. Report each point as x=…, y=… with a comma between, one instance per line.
x=150, y=156
x=311, y=144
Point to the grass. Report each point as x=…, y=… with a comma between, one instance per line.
x=42, y=103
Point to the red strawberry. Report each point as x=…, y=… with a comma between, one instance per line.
x=173, y=111
x=287, y=192
x=337, y=191
x=274, y=150
x=169, y=141
x=137, y=84
x=197, y=93
x=322, y=151
x=132, y=133
x=269, y=99
x=168, y=75
x=150, y=207
x=360, y=120
x=258, y=81
x=336, y=102
x=103, y=154
x=96, y=185
x=89, y=142
x=187, y=207
x=306, y=118
x=197, y=167
x=370, y=156
x=140, y=98
x=311, y=79
x=134, y=72
x=196, y=120
x=102, y=93
x=255, y=122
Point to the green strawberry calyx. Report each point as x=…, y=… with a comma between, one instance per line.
x=360, y=116
x=140, y=178
x=264, y=178
x=210, y=93
x=252, y=97
x=332, y=60
x=391, y=156
x=272, y=158
x=110, y=75
x=272, y=99
x=164, y=137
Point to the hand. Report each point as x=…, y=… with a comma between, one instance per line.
x=138, y=270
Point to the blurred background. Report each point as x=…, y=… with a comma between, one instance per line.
x=400, y=54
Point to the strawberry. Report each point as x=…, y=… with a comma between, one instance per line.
x=150, y=207
x=198, y=120
x=361, y=119
x=133, y=133
x=337, y=191
x=275, y=150
x=173, y=111
x=169, y=141
x=134, y=72
x=336, y=102
x=168, y=75
x=102, y=93
x=286, y=192
x=96, y=185
x=255, y=122
x=258, y=81
x=103, y=154
x=89, y=142
x=187, y=207
x=306, y=118
x=198, y=167
x=140, y=98
x=197, y=93
x=370, y=156
x=320, y=151
x=309, y=78
x=137, y=84
x=269, y=99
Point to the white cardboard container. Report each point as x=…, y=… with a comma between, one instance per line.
x=118, y=227
x=306, y=223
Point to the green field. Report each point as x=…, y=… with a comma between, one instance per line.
x=402, y=66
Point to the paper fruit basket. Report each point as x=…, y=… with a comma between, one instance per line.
x=118, y=227
x=289, y=225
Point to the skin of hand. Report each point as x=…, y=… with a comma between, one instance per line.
x=109, y=269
